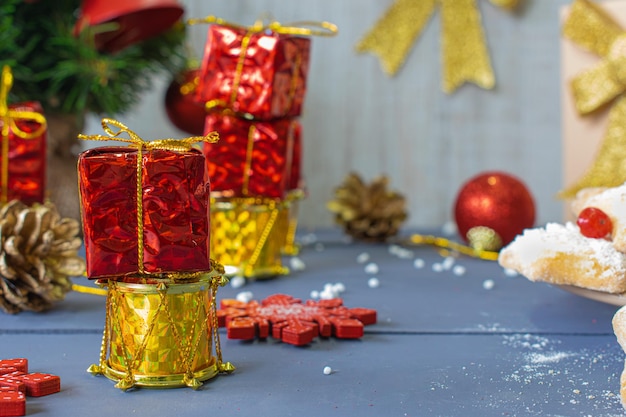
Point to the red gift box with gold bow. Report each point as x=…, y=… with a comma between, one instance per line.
x=148, y=215
x=253, y=159
x=259, y=71
x=23, y=148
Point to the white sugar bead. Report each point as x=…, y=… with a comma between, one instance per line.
x=373, y=282
x=245, y=296
x=458, y=270
x=297, y=264
x=447, y=263
x=315, y=294
x=405, y=253
x=437, y=267
x=510, y=272
x=328, y=370
x=237, y=281
x=419, y=263
x=327, y=295
x=363, y=257
x=394, y=249
x=488, y=284
x=328, y=286
x=339, y=287
x=371, y=268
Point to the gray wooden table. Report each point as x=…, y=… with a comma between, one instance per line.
x=444, y=345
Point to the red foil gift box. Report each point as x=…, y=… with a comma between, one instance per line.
x=259, y=71
x=262, y=74
x=150, y=217
x=252, y=159
x=23, y=148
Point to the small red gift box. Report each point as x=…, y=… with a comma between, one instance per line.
x=253, y=159
x=166, y=230
x=250, y=70
x=23, y=131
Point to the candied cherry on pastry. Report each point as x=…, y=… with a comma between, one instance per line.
x=594, y=223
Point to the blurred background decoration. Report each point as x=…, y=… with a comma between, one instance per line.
x=78, y=58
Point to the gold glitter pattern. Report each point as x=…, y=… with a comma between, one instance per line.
x=591, y=28
x=464, y=49
x=160, y=333
x=248, y=234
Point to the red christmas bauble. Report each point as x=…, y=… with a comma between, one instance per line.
x=183, y=111
x=495, y=200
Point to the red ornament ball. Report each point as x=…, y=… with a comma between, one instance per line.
x=183, y=111
x=594, y=223
x=496, y=200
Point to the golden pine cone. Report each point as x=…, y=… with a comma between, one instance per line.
x=368, y=212
x=38, y=254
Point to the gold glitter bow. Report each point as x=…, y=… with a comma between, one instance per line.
x=464, y=49
x=8, y=117
x=591, y=28
x=176, y=145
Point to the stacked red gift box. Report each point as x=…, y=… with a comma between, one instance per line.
x=144, y=207
x=16, y=383
x=22, y=149
x=253, y=82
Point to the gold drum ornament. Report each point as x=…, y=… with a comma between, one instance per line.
x=160, y=333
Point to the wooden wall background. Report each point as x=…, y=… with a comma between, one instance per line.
x=428, y=143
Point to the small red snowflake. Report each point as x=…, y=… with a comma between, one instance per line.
x=291, y=321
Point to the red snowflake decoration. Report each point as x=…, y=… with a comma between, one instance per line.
x=291, y=321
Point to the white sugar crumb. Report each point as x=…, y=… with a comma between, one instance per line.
x=400, y=252
x=509, y=272
x=437, y=267
x=373, y=282
x=419, y=263
x=297, y=264
x=458, y=270
x=371, y=268
x=327, y=370
x=330, y=291
x=363, y=257
x=237, y=281
x=488, y=284
x=245, y=296
x=447, y=263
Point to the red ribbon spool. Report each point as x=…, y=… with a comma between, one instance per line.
x=136, y=20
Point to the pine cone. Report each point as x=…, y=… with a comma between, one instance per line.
x=368, y=212
x=38, y=254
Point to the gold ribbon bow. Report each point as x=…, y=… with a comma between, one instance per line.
x=176, y=145
x=591, y=28
x=302, y=28
x=464, y=49
x=8, y=117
